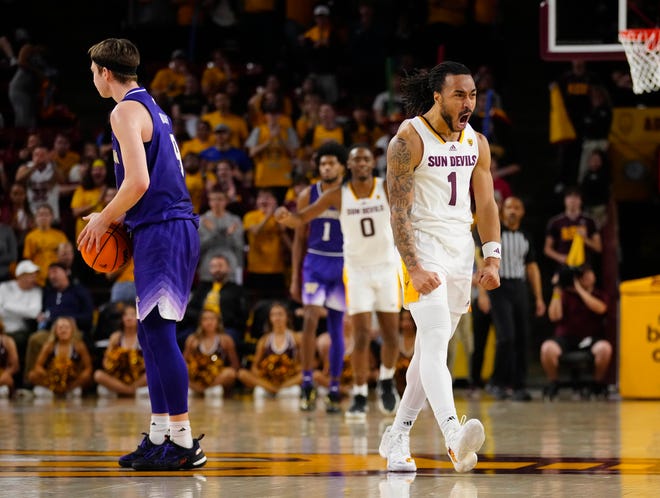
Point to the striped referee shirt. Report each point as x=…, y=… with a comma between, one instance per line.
x=517, y=253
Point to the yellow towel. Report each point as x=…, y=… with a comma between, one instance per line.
x=561, y=127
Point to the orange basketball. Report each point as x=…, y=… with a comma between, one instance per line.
x=115, y=250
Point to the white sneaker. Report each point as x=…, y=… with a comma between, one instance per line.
x=42, y=392
x=142, y=392
x=75, y=393
x=214, y=392
x=4, y=391
x=259, y=392
x=397, y=485
x=104, y=392
x=289, y=392
x=464, y=489
x=395, y=446
x=463, y=442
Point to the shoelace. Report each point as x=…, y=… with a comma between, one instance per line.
x=449, y=435
x=145, y=441
x=403, y=441
x=166, y=448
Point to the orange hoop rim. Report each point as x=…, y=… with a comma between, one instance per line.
x=639, y=33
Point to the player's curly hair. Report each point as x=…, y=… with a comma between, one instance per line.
x=415, y=87
x=332, y=148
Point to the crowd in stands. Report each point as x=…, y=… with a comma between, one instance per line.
x=248, y=121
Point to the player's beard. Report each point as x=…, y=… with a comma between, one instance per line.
x=329, y=181
x=448, y=120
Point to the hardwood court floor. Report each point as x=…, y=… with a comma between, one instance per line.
x=264, y=448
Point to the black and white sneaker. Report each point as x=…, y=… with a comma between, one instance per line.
x=332, y=403
x=308, y=399
x=388, y=397
x=171, y=456
x=358, y=409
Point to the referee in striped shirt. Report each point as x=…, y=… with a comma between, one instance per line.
x=510, y=304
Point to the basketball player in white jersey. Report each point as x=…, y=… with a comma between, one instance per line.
x=432, y=162
x=371, y=272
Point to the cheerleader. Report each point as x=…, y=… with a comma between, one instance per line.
x=322, y=374
x=64, y=365
x=9, y=364
x=276, y=366
x=211, y=357
x=123, y=370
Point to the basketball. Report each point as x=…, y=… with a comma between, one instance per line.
x=115, y=250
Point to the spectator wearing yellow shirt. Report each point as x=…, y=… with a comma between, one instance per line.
x=309, y=116
x=202, y=140
x=272, y=147
x=322, y=50
x=170, y=81
x=272, y=90
x=89, y=196
x=215, y=74
x=327, y=130
x=224, y=115
x=269, y=245
x=195, y=180
x=41, y=242
x=62, y=156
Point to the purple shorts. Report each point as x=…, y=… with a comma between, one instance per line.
x=165, y=256
x=323, y=281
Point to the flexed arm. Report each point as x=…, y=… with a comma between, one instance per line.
x=403, y=154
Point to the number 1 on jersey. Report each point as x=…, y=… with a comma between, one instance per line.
x=326, y=231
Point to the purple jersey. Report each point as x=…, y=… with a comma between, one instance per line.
x=167, y=197
x=164, y=270
x=322, y=271
x=325, y=237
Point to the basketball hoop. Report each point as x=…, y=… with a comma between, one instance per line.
x=642, y=47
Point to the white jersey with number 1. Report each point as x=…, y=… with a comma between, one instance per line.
x=442, y=216
x=442, y=181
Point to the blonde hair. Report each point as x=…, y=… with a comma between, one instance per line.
x=220, y=329
x=76, y=332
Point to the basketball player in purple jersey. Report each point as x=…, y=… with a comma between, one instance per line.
x=155, y=205
x=322, y=277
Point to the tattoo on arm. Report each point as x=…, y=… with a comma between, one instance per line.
x=400, y=187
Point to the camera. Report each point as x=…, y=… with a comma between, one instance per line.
x=567, y=274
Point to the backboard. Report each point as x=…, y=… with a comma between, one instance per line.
x=589, y=29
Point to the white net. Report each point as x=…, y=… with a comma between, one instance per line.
x=642, y=47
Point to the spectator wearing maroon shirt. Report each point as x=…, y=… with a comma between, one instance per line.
x=577, y=309
x=562, y=228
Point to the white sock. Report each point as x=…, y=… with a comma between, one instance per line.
x=413, y=398
x=158, y=428
x=180, y=433
x=362, y=389
x=434, y=329
x=450, y=425
x=386, y=373
x=404, y=419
